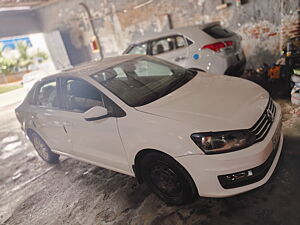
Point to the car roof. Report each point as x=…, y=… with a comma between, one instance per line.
x=182, y=30
x=89, y=68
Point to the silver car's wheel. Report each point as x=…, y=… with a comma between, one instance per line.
x=43, y=150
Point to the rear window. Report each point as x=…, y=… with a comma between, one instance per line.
x=216, y=31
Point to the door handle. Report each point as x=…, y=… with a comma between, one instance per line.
x=179, y=58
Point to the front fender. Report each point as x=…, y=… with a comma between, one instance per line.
x=141, y=130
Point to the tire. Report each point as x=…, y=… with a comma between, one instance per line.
x=43, y=149
x=295, y=78
x=168, y=179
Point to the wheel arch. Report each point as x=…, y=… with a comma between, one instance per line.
x=141, y=154
x=138, y=158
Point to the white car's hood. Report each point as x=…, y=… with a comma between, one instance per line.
x=213, y=103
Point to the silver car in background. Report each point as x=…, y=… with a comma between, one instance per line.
x=208, y=47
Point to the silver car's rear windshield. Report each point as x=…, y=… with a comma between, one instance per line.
x=217, y=31
x=143, y=80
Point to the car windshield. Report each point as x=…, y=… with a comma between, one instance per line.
x=143, y=80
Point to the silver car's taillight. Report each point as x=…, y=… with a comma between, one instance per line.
x=219, y=46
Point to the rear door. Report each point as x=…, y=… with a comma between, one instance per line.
x=172, y=48
x=47, y=116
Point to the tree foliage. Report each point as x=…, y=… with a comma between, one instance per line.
x=7, y=65
x=23, y=61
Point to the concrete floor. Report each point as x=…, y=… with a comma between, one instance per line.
x=72, y=192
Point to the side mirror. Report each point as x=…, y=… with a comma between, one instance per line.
x=95, y=113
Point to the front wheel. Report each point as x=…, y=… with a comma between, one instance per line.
x=168, y=179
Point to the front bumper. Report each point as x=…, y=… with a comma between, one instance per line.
x=206, y=169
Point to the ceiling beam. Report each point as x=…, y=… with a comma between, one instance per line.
x=21, y=3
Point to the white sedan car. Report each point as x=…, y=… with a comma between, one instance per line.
x=184, y=133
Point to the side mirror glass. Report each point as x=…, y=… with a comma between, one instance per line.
x=95, y=113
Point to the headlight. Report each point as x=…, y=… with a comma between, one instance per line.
x=221, y=142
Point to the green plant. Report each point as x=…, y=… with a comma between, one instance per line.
x=42, y=56
x=7, y=65
x=24, y=60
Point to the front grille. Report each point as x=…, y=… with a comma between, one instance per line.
x=250, y=176
x=264, y=124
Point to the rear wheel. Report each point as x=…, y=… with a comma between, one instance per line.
x=43, y=149
x=168, y=179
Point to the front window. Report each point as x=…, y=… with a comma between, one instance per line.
x=80, y=96
x=143, y=80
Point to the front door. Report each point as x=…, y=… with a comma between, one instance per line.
x=98, y=141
